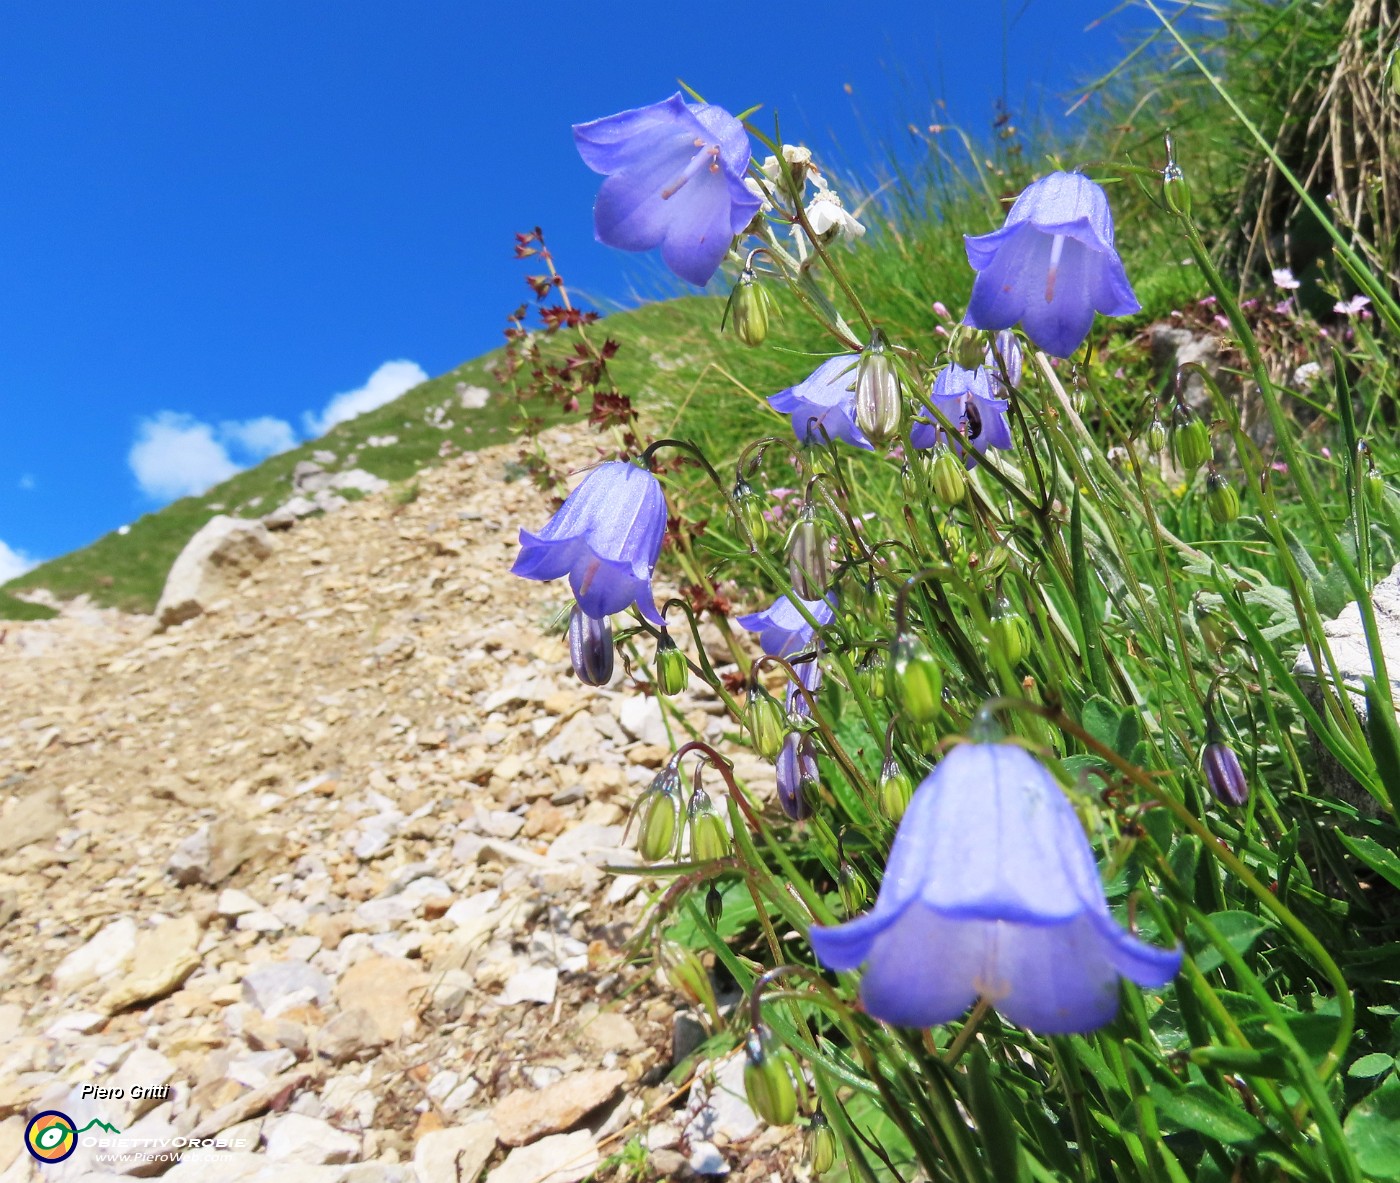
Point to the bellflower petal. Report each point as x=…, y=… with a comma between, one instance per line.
x=783, y=630
x=675, y=180
x=1051, y=266
x=824, y=400
x=965, y=397
x=991, y=890
x=606, y=538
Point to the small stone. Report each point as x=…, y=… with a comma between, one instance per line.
x=563, y=1158
x=349, y=1035
x=33, y=818
x=391, y=989
x=294, y=1137
x=705, y=1159
x=641, y=719
x=233, y=903
x=270, y=982
x=535, y=984
x=524, y=1116
x=102, y=956
x=609, y=1031
x=456, y=1154
x=164, y=957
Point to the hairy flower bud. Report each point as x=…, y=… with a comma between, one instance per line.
x=672, y=672
x=767, y=723
x=748, y=513
x=660, y=812
x=750, y=305
x=1222, y=499
x=1191, y=438
x=916, y=681
x=1010, y=634
x=808, y=561
x=896, y=788
x=879, y=403
x=1224, y=776
x=708, y=837
x=949, y=477
x=821, y=1144
x=591, y=647
x=768, y=1079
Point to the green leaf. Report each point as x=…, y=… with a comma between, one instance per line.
x=1373, y=1064
x=1238, y=929
x=1100, y=719
x=1199, y=1107
x=1000, y=1141
x=1384, y=862
x=1384, y=736
x=1372, y=1131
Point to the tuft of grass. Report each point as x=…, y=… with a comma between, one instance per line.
x=13, y=608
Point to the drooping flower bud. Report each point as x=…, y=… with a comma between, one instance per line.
x=591, y=647
x=1222, y=499
x=994, y=561
x=1011, y=635
x=852, y=886
x=672, y=672
x=1156, y=436
x=1374, y=485
x=1191, y=437
x=809, y=563
x=659, y=811
x=1176, y=192
x=749, y=305
x=714, y=906
x=1216, y=630
x=748, y=514
x=1224, y=776
x=871, y=672
x=767, y=723
x=879, y=403
x=949, y=477
x=708, y=837
x=798, y=776
x=915, y=679
x=687, y=973
x=768, y=1079
x=821, y=1144
x=896, y=789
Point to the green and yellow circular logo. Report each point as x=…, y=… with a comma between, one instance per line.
x=51, y=1136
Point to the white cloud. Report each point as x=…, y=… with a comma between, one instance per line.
x=26, y=482
x=259, y=438
x=392, y=379
x=14, y=563
x=175, y=455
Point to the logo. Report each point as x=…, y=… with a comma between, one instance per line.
x=51, y=1136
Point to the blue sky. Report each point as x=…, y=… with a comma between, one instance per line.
x=217, y=218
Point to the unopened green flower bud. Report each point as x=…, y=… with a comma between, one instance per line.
x=672, y=672
x=768, y=1079
x=1222, y=499
x=969, y=350
x=1191, y=439
x=1156, y=436
x=879, y=403
x=853, y=888
x=1374, y=485
x=949, y=477
x=714, y=906
x=915, y=679
x=1216, y=630
x=767, y=723
x=686, y=972
x=871, y=672
x=1176, y=192
x=809, y=562
x=748, y=513
x=821, y=1144
x=896, y=788
x=1010, y=633
x=994, y=561
x=660, y=814
x=750, y=305
x=708, y=837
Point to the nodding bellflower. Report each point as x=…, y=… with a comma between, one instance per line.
x=675, y=180
x=1051, y=266
x=606, y=538
x=966, y=399
x=991, y=891
x=824, y=401
x=783, y=630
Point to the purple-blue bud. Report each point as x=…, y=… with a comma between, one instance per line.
x=798, y=777
x=1224, y=775
x=591, y=647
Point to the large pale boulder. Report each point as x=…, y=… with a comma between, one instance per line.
x=213, y=561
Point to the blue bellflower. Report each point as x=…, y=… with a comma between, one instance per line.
x=675, y=180
x=1004, y=349
x=606, y=538
x=991, y=890
x=966, y=399
x=824, y=401
x=783, y=630
x=1051, y=266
